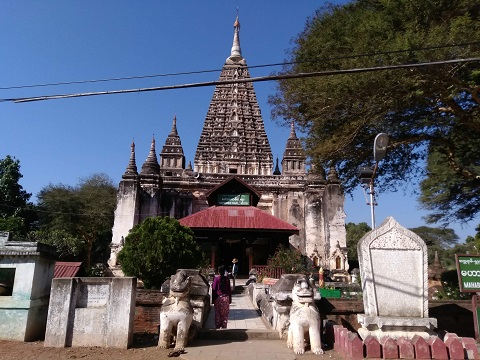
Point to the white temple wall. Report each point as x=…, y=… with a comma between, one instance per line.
x=315, y=235
x=334, y=199
x=126, y=213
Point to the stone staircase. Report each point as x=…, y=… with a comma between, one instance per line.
x=244, y=323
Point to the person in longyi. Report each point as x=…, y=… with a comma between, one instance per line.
x=221, y=297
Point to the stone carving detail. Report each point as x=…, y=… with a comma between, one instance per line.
x=176, y=314
x=304, y=319
x=228, y=135
x=394, y=240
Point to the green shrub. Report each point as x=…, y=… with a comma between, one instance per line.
x=451, y=288
x=290, y=260
x=156, y=248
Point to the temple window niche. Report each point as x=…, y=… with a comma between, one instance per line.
x=338, y=263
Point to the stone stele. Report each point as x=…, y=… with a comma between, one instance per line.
x=394, y=273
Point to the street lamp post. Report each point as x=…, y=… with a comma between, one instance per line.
x=367, y=174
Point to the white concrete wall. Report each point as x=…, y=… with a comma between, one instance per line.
x=91, y=312
x=23, y=315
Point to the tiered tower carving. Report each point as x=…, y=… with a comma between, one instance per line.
x=233, y=139
x=294, y=157
x=172, y=158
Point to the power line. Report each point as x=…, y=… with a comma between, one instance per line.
x=239, y=81
x=328, y=59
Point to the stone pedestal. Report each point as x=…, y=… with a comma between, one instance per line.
x=258, y=291
x=26, y=272
x=396, y=327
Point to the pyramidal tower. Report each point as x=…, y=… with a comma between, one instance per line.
x=233, y=149
x=233, y=139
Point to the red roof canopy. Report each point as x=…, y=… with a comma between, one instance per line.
x=236, y=217
x=65, y=269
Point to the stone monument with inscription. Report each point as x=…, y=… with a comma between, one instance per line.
x=394, y=274
x=91, y=312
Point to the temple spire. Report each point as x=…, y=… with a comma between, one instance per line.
x=277, y=169
x=132, y=165
x=294, y=158
x=236, y=51
x=233, y=138
x=150, y=166
x=172, y=157
x=293, y=134
x=174, y=131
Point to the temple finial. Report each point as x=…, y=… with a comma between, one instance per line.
x=293, y=134
x=236, y=51
x=174, y=126
x=132, y=165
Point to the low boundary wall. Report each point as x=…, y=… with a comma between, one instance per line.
x=453, y=316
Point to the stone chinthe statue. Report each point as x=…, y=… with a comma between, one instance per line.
x=304, y=319
x=176, y=314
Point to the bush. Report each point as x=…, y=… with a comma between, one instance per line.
x=156, y=248
x=290, y=260
x=451, y=288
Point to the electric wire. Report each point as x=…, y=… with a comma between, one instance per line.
x=328, y=59
x=239, y=81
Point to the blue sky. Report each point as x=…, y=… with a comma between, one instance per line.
x=60, y=141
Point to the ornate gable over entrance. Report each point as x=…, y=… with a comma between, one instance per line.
x=232, y=187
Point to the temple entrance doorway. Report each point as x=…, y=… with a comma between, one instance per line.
x=233, y=248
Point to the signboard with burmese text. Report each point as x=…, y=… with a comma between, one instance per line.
x=234, y=199
x=468, y=269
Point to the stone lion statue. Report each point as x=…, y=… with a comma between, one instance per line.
x=304, y=319
x=176, y=313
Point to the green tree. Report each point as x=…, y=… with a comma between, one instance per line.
x=430, y=113
x=470, y=246
x=16, y=213
x=156, y=248
x=354, y=233
x=440, y=240
x=445, y=192
x=68, y=247
x=474, y=241
x=78, y=219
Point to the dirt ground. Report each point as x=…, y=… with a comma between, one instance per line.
x=144, y=348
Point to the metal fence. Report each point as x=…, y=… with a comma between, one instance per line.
x=265, y=271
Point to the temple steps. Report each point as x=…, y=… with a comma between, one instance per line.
x=244, y=322
x=238, y=334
